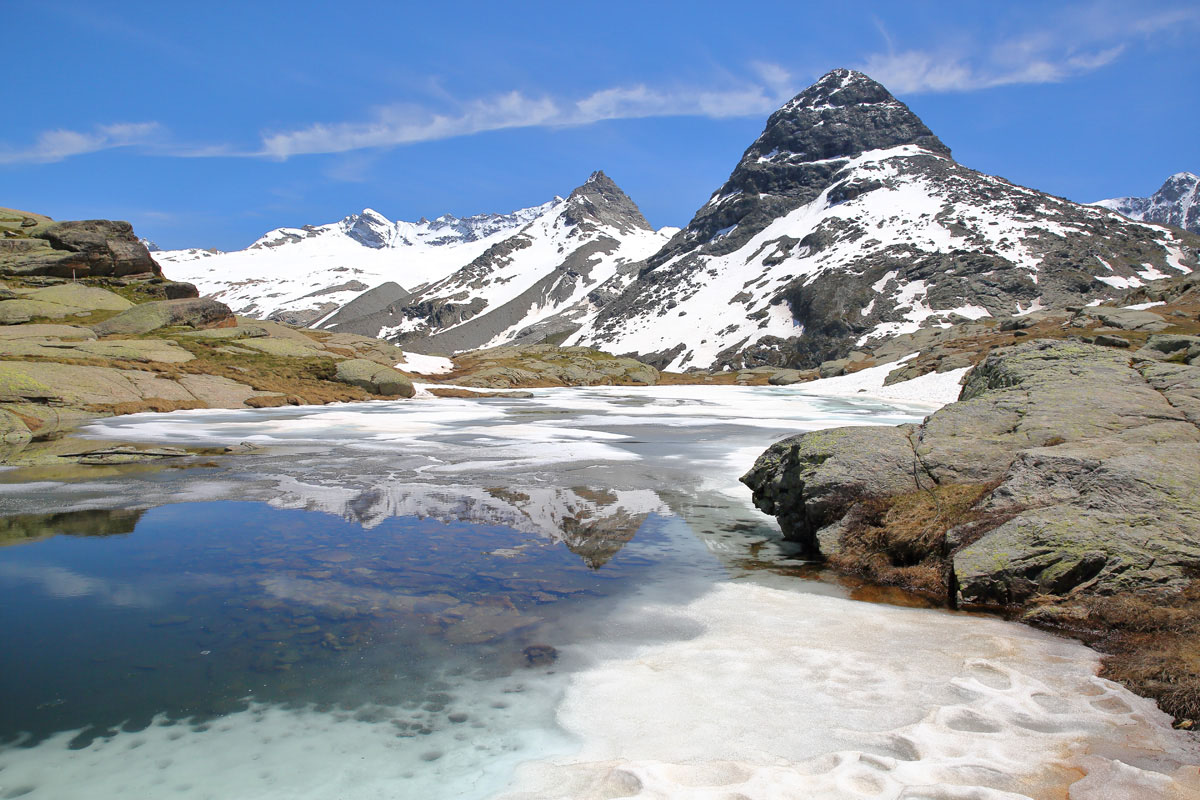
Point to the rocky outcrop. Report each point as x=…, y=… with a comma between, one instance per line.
x=1080, y=462
x=547, y=365
x=188, y=312
x=58, y=302
x=31, y=244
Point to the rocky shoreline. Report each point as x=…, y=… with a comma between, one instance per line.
x=1061, y=488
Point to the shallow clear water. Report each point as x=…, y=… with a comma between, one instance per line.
x=445, y=598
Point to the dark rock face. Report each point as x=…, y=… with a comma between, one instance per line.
x=82, y=248
x=1176, y=203
x=1091, y=491
x=104, y=246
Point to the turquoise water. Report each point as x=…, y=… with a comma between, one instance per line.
x=202, y=608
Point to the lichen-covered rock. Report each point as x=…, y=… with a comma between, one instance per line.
x=143, y=350
x=288, y=348
x=547, y=365
x=193, y=313
x=1086, y=465
x=786, y=377
x=91, y=298
x=70, y=385
x=46, y=331
x=374, y=378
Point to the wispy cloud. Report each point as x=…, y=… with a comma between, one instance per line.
x=402, y=124
x=1067, y=45
x=1063, y=44
x=60, y=143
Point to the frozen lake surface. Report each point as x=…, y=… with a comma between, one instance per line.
x=565, y=596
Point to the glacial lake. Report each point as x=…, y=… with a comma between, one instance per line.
x=568, y=595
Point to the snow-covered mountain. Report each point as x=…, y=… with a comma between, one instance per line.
x=848, y=220
x=550, y=265
x=302, y=275
x=1176, y=203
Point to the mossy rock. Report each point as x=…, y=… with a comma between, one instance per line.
x=374, y=378
x=147, y=317
x=89, y=298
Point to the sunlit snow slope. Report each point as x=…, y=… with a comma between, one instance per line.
x=301, y=275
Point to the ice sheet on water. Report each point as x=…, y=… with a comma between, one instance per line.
x=793, y=694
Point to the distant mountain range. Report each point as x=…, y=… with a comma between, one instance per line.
x=1176, y=203
x=846, y=221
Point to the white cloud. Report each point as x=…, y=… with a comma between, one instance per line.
x=406, y=124
x=58, y=144
x=1071, y=43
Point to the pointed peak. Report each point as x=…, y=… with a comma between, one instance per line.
x=841, y=115
x=372, y=214
x=600, y=199
x=841, y=88
x=597, y=183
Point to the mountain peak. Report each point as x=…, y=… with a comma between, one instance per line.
x=599, y=200
x=841, y=115
x=1177, y=202
x=803, y=146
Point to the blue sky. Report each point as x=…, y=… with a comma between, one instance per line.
x=209, y=124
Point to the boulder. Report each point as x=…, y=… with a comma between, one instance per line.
x=834, y=368
x=1108, y=340
x=786, y=377
x=104, y=247
x=808, y=481
x=1163, y=347
x=1083, y=462
x=1127, y=319
x=193, y=313
x=374, y=378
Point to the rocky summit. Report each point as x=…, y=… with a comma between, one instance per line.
x=1177, y=202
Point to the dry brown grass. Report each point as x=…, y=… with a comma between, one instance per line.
x=1152, y=645
x=139, y=406
x=900, y=540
